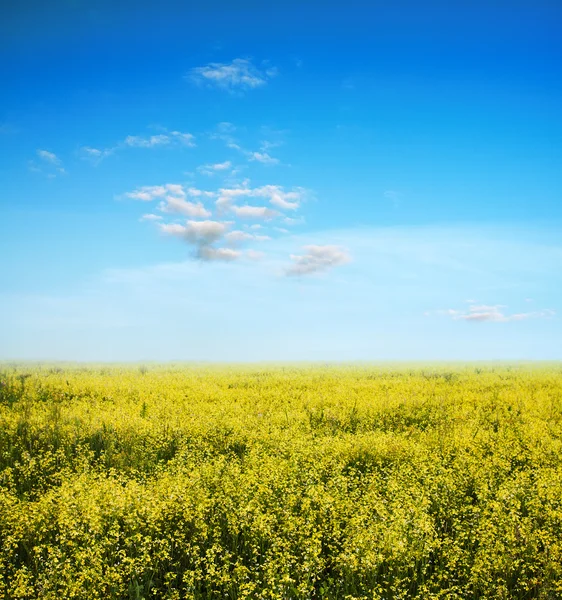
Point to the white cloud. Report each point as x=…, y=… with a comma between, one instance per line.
x=237, y=236
x=226, y=127
x=163, y=139
x=95, y=154
x=225, y=254
x=317, y=259
x=253, y=212
x=274, y=193
x=210, y=231
x=172, y=205
x=185, y=139
x=290, y=221
x=175, y=188
x=263, y=157
x=49, y=157
x=136, y=141
x=197, y=232
x=168, y=138
x=147, y=193
x=240, y=74
x=278, y=197
x=480, y=313
x=49, y=164
x=212, y=169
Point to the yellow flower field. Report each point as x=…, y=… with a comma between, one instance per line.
x=293, y=482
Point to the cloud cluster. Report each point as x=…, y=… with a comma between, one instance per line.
x=216, y=228
x=215, y=238
x=480, y=313
x=317, y=259
x=239, y=75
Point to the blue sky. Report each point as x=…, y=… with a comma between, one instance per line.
x=281, y=181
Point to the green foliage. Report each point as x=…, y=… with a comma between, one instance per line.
x=263, y=482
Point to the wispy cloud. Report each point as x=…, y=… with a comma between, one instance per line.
x=237, y=236
x=151, y=217
x=239, y=75
x=224, y=132
x=392, y=195
x=494, y=313
x=163, y=139
x=317, y=259
x=47, y=163
x=166, y=139
x=213, y=169
x=49, y=157
x=263, y=157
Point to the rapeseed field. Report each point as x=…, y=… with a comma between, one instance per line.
x=280, y=482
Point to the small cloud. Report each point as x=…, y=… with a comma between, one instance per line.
x=147, y=193
x=49, y=157
x=392, y=195
x=237, y=237
x=197, y=232
x=151, y=217
x=480, y=313
x=212, y=169
x=162, y=139
x=317, y=259
x=185, y=139
x=277, y=196
x=239, y=75
x=226, y=127
x=263, y=157
x=136, y=141
x=291, y=221
x=222, y=254
x=168, y=138
x=173, y=205
x=96, y=155
x=49, y=164
x=254, y=212
x=280, y=198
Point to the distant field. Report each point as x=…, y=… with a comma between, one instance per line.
x=289, y=482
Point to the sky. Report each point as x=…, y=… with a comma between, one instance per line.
x=280, y=181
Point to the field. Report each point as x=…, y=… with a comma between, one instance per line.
x=290, y=482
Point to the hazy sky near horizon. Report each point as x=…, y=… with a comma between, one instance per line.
x=239, y=181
